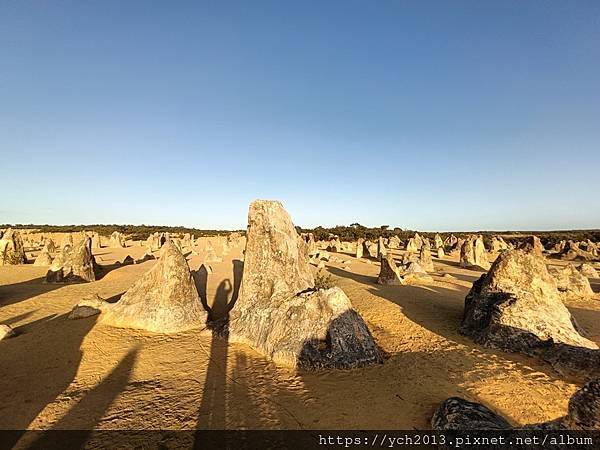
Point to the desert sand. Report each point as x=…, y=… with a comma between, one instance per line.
x=80, y=374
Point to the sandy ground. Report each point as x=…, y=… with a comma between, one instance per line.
x=79, y=374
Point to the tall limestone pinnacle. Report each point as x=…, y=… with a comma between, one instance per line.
x=279, y=311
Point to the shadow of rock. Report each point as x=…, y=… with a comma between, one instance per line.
x=86, y=414
x=40, y=364
x=18, y=292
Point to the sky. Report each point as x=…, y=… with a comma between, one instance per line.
x=426, y=115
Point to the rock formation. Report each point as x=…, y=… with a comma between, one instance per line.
x=425, y=260
x=370, y=249
x=583, y=413
x=516, y=306
x=116, y=240
x=437, y=241
x=481, y=257
x=12, y=250
x=412, y=246
x=163, y=300
x=359, y=248
x=281, y=314
x=571, y=283
x=440, y=253
x=394, y=242
x=381, y=250
x=533, y=244
x=389, y=272
x=73, y=264
x=415, y=274
x=6, y=332
x=88, y=306
x=67, y=241
x=467, y=253
x=588, y=270
x=49, y=245
x=43, y=259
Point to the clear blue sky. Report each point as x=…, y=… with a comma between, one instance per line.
x=446, y=115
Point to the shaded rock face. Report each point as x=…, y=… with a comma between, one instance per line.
x=389, y=272
x=571, y=251
x=458, y=414
x=334, y=245
x=450, y=242
x=279, y=312
x=425, y=259
x=88, y=306
x=73, y=264
x=12, y=250
x=43, y=259
x=516, y=306
x=533, y=244
x=163, y=300
x=572, y=283
x=369, y=249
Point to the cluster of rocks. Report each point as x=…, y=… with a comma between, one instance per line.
x=408, y=272
x=12, y=250
x=74, y=263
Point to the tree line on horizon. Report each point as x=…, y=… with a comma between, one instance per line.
x=346, y=233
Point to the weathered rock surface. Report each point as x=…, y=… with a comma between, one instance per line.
x=480, y=254
x=533, y=244
x=571, y=283
x=370, y=249
x=43, y=259
x=359, y=248
x=279, y=312
x=88, y=306
x=467, y=253
x=583, y=414
x=389, y=272
x=425, y=260
x=73, y=264
x=381, y=250
x=415, y=274
x=164, y=300
x=117, y=240
x=394, y=242
x=588, y=270
x=12, y=250
x=456, y=413
x=516, y=306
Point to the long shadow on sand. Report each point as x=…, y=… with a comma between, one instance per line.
x=45, y=356
x=212, y=413
x=18, y=292
x=440, y=311
x=87, y=413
